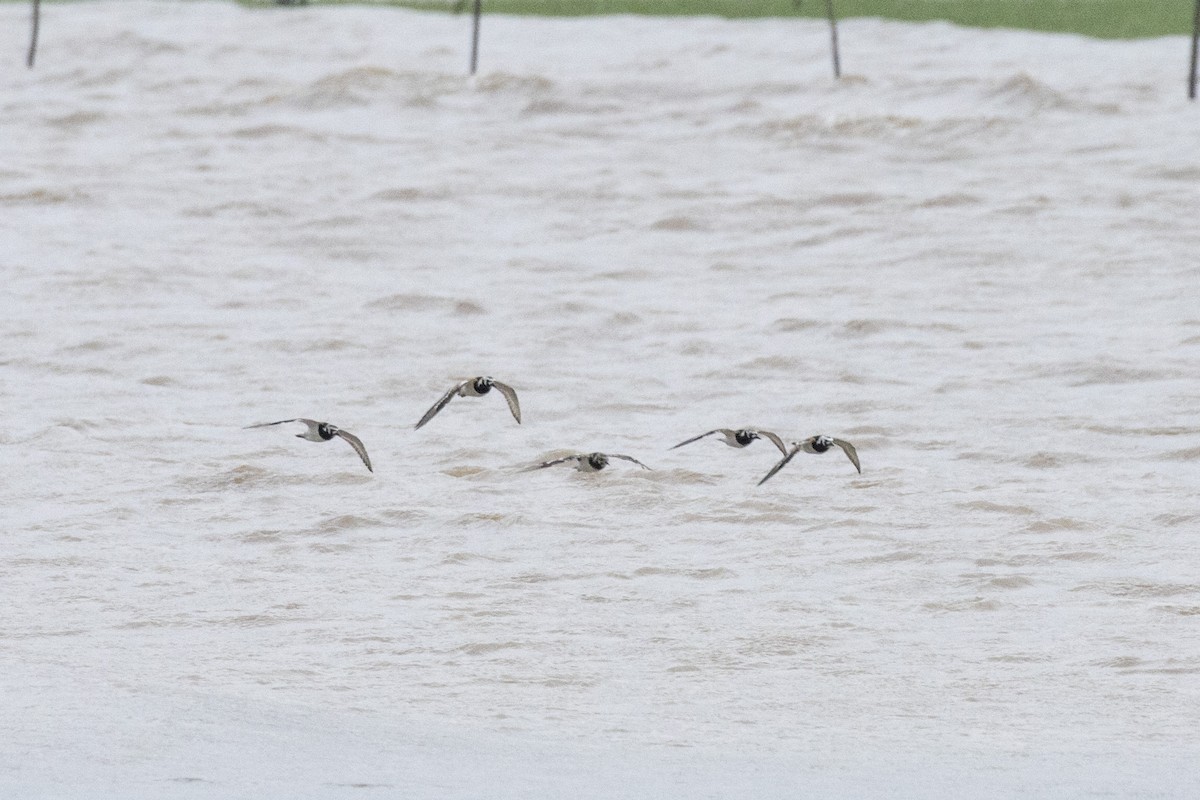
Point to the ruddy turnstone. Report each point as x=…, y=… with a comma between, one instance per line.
x=475, y=387
x=588, y=462
x=740, y=438
x=323, y=432
x=815, y=444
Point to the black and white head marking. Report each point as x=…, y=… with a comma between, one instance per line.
x=821, y=443
x=744, y=437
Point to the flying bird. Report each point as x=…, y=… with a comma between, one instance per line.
x=816, y=445
x=740, y=438
x=587, y=462
x=323, y=432
x=475, y=387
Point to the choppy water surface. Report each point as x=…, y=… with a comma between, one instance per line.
x=974, y=257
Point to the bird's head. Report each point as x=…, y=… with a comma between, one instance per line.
x=745, y=436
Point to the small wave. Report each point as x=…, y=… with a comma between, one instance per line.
x=793, y=324
x=272, y=131
x=128, y=41
x=346, y=522
x=1108, y=375
x=624, y=275
x=685, y=476
x=1173, y=520
x=871, y=327
x=467, y=557
x=490, y=518
x=1024, y=92
x=43, y=197
x=467, y=471
x=251, y=620
x=1183, y=611
x=1188, y=454
x=242, y=476
x=783, y=363
x=1010, y=582
x=888, y=558
x=1189, y=175
x=807, y=126
x=360, y=86
x=1138, y=432
x=240, y=209
x=547, y=106
x=810, y=127
x=1044, y=460
x=678, y=223
x=1120, y=588
x=246, y=476
x=711, y=573
x=483, y=648
x=507, y=82
x=1021, y=658
x=996, y=508
x=77, y=120
x=411, y=194
x=1056, y=524
x=968, y=604
x=424, y=302
x=953, y=200
x=1080, y=555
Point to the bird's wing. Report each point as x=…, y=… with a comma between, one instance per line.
x=357, y=444
x=551, y=463
x=510, y=395
x=850, y=452
x=782, y=463
x=628, y=458
x=696, y=438
x=775, y=440
x=269, y=424
x=441, y=403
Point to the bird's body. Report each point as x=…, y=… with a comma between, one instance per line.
x=475, y=387
x=588, y=462
x=323, y=432
x=815, y=445
x=740, y=438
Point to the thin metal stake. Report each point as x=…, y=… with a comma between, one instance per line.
x=833, y=42
x=1195, y=43
x=37, y=8
x=475, y=36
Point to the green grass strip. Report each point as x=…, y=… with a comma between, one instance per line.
x=1106, y=19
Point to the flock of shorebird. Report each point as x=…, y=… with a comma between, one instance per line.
x=584, y=462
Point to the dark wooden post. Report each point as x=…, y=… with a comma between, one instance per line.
x=475, y=36
x=1195, y=42
x=833, y=42
x=37, y=8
